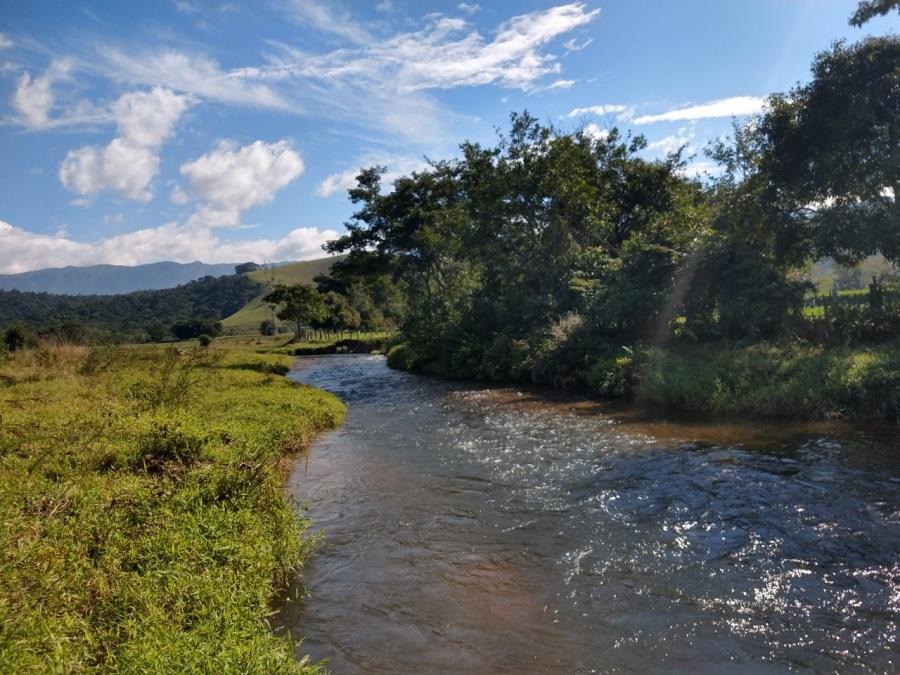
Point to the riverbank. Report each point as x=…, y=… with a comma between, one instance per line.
x=145, y=528
x=725, y=379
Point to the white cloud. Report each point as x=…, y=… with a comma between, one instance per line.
x=397, y=166
x=189, y=73
x=448, y=54
x=326, y=17
x=595, y=132
x=671, y=143
x=572, y=45
x=185, y=7
x=735, y=106
x=129, y=162
x=178, y=196
x=560, y=84
x=21, y=251
x=5, y=42
x=468, y=8
x=33, y=97
x=702, y=168
x=232, y=179
x=380, y=83
x=621, y=112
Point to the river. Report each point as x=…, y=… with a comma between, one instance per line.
x=477, y=529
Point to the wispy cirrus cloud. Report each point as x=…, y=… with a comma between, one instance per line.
x=619, y=111
x=328, y=17
x=736, y=106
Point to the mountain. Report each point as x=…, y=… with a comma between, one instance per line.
x=111, y=279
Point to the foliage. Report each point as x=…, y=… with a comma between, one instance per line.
x=775, y=379
x=16, y=337
x=869, y=9
x=145, y=526
x=828, y=152
x=300, y=303
x=268, y=327
x=127, y=317
x=244, y=268
x=187, y=330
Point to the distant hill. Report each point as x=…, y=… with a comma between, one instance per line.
x=128, y=317
x=248, y=318
x=111, y=279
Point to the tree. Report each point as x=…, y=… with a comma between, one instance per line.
x=17, y=337
x=157, y=331
x=243, y=268
x=300, y=303
x=186, y=330
x=268, y=327
x=869, y=9
x=341, y=314
x=829, y=155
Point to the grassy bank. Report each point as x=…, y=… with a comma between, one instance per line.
x=717, y=379
x=782, y=380
x=144, y=526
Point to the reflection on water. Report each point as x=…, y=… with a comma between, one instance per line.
x=471, y=529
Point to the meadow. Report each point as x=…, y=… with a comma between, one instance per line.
x=144, y=523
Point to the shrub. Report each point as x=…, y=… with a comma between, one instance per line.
x=18, y=337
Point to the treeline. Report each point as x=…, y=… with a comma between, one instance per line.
x=337, y=304
x=564, y=258
x=130, y=317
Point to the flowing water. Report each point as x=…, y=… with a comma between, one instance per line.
x=475, y=529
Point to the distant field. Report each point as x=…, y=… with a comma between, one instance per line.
x=248, y=318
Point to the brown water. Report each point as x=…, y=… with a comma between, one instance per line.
x=470, y=529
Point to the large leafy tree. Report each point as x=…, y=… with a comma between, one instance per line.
x=300, y=303
x=869, y=9
x=829, y=154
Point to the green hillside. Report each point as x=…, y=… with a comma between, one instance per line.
x=248, y=318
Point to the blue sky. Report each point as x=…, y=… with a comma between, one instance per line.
x=229, y=131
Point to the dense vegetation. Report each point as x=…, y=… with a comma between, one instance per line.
x=136, y=317
x=144, y=524
x=563, y=258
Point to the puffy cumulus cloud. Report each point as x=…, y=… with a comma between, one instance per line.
x=593, y=131
x=33, y=98
x=672, y=143
x=231, y=179
x=178, y=196
x=736, y=106
x=129, y=162
x=397, y=166
x=21, y=251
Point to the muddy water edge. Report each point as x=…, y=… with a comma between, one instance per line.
x=482, y=529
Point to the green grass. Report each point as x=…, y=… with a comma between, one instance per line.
x=144, y=523
x=780, y=380
x=247, y=319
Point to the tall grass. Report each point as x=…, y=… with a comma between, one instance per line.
x=783, y=380
x=144, y=525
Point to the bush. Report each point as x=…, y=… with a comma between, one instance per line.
x=205, y=340
x=187, y=330
x=18, y=337
x=268, y=327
